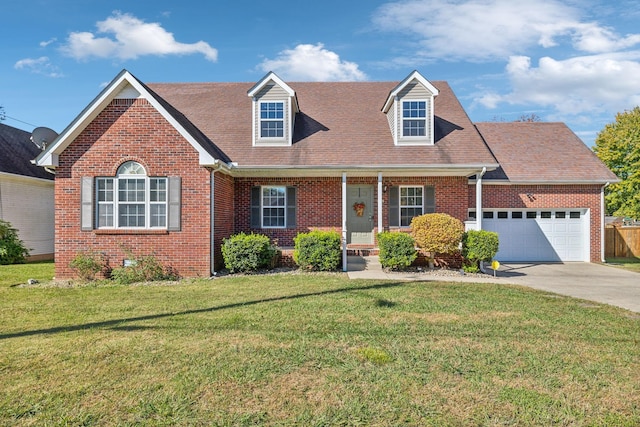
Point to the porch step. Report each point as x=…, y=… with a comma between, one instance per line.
x=362, y=251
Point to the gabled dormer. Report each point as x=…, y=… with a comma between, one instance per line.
x=409, y=110
x=274, y=110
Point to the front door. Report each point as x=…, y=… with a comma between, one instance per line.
x=360, y=214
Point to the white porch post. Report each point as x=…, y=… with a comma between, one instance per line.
x=379, y=202
x=479, y=198
x=344, y=221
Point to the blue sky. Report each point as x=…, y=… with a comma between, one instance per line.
x=571, y=61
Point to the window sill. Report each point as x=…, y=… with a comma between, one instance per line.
x=115, y=231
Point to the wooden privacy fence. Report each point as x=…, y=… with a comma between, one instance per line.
x=622, y=242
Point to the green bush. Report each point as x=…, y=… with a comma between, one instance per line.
x=87, y=264
x=317, y=250
x=12, y=249
x=144, y=268
x=479, y=245
x=248, y=252
x=397, y=250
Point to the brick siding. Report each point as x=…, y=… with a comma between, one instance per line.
x=133, y=130
x=547, y=196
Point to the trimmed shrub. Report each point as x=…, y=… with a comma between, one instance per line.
x=397, y=250
x=87, y=264
x=479, y=245
x=317, y=250
x=437, y=233
x=12, y=249
x=248, y=252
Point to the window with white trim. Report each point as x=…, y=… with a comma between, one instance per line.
x=131, y=199
x=272, y=119
x=414, y=118
x=274, y=202
x=411, y=204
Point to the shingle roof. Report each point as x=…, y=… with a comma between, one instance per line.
x=16, y=153
x=541, y=152
x=340, y=124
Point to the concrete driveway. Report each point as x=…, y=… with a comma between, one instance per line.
x=594, y=282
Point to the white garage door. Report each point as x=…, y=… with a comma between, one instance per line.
x=550, y=235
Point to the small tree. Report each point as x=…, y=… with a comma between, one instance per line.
x=12, y=249
x=437, y=233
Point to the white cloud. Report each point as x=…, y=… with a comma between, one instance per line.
x=484, y=30
x=48, y=42
x=40, y=65
x=573, y=87
x=127, y=37
x=308, y=62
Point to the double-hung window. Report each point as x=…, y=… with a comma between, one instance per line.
x=272, y=119
x=409, y=201
x=273, y=206
x=131, y=199
x=411, y=204
x=414, y=118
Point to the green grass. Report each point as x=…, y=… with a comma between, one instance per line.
x=631, y=264
x=17, y=274
x=314, y=350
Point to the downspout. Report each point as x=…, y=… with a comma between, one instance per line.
x=212, y=262
x=379, y=202
x=602, y=225
x=479, y=198
x=344, y=221
x=212, y=209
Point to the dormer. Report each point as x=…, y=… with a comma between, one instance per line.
x=409, y=110
x=274, y=109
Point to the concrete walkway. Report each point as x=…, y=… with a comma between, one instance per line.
x=594, y=282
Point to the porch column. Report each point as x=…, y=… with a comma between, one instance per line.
x=379, y=202
x=344, y=221
x=479, y=198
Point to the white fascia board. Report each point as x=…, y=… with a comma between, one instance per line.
x=357, y=170
x=16, y=177
x=414, y=75
x=507, y=182
x=270, y=76
x=49, y=157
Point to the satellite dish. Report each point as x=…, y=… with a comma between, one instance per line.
x=42, y=136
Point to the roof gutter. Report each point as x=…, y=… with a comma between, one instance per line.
x=602, y=225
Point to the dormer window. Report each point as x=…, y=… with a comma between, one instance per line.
x=272, y=120
x=414, y=115
x=410, y=111
x=274, y=106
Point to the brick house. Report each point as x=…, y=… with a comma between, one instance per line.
x=175, y=168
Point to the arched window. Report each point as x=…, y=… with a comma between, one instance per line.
x=131, y=199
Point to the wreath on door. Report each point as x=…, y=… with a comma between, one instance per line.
x=359, y=208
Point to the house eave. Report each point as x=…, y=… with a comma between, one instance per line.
x=359, y=170
x=541, y=182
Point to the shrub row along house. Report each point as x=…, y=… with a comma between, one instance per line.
x=172, y=169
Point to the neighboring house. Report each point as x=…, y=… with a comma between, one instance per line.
x=26, y=192
x=175, y=168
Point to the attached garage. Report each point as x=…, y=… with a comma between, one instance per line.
x=545, y=235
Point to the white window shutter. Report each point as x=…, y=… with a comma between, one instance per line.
x=175, y=203
x=86, y=208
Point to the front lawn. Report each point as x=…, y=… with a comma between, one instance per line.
x=302, y=349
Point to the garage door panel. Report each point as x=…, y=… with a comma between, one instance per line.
x=555, y=239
